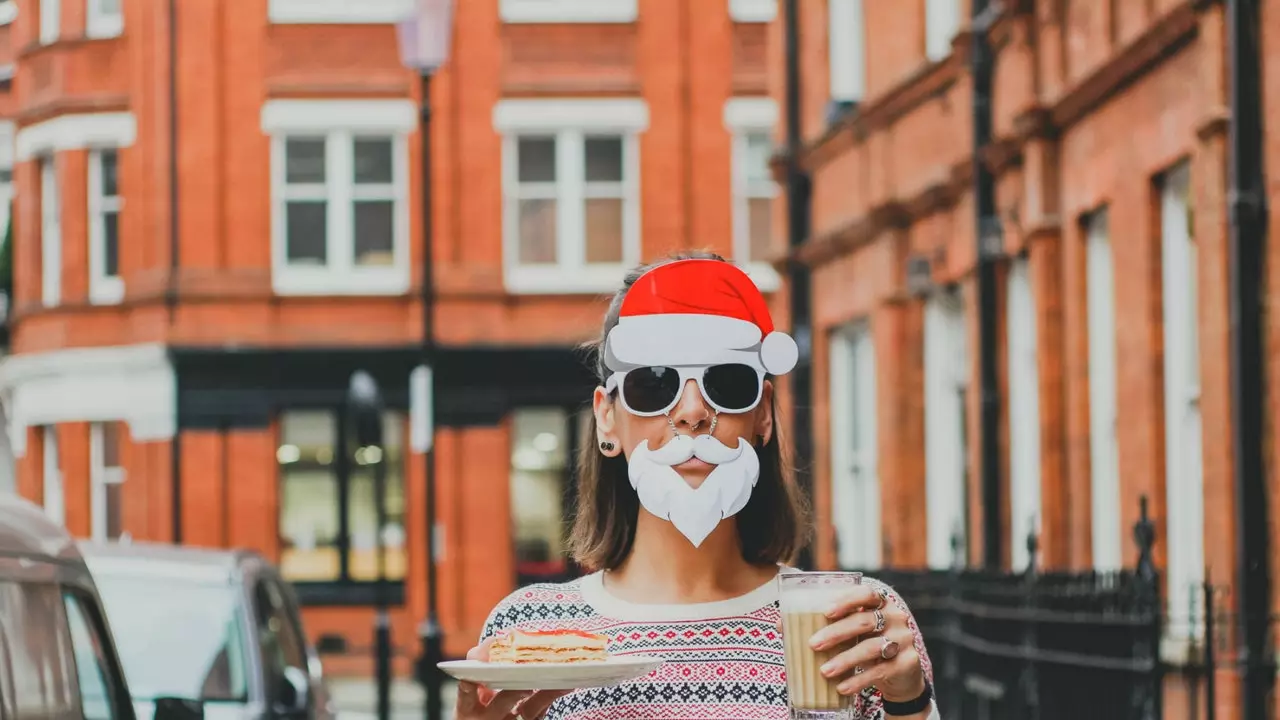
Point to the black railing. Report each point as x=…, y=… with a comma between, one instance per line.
x=1039, y=645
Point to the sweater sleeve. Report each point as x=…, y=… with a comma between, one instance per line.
x=872, y=701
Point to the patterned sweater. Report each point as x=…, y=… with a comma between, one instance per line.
x=723, y=659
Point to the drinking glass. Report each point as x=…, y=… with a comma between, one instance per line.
x=804, y=598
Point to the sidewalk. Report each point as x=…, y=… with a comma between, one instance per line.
x=357, y=699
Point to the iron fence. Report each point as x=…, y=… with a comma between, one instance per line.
x=1040, y=645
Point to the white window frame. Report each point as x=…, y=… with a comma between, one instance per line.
x=1184, y=454
x=941, y=24
x=847, y=50
x=8, y=11
x=101, y=23
x=100, y=476
x=753, y=11
x=6, y=165
x=338, y=12
x=1104, y=450
x=339, y=122
x=50, y=21
x=946, y=378
x=570, y=121
x=103, y=289
x=1024, y=410
x=744, y=116
x=568, y=11
x=50, y=232
x=855, y=476
x=54, y=492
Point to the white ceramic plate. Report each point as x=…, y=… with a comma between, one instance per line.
x=552, y=676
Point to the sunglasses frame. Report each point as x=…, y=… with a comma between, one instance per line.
x=686, y=373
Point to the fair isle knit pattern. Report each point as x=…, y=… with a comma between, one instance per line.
x=723, y=659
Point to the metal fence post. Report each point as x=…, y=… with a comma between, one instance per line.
x=1146, y=702
x=1029, y=679
x=953, y=693
x=1210, y=682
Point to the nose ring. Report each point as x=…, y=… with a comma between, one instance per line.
x=715, y=418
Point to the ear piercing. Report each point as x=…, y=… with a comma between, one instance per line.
x=606, y=446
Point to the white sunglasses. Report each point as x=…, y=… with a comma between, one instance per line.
x=651, y=391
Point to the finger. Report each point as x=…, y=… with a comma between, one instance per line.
x=504, y=703
x=468, y=699
x=845, y=630
x=867, y=656
x=537, y=704
x=856, y=598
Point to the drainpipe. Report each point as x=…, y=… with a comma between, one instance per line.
x=1247, y=244
x=988, y=237
x=798, y=275
x=171, y=291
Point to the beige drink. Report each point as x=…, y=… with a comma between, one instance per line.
x=804, y=599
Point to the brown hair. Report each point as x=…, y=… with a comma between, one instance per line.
x=771, y=528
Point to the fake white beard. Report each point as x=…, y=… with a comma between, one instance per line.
x=695, y=512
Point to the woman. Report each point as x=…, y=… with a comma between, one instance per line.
x=685, y=513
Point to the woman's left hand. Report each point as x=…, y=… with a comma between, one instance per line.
x=885, y=651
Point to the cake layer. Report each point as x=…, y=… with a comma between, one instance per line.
x=549, y=646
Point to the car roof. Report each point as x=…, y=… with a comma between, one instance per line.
x=26, y=531
x=203, y=566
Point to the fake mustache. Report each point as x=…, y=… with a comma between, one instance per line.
x=704, y=447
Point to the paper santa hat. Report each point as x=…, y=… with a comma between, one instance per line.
x=698, y=312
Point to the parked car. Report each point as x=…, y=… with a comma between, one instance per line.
x=57, y=655
x=218, y=625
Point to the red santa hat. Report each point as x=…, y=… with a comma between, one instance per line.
x=699, y=312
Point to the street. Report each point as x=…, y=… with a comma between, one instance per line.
x=356, y=698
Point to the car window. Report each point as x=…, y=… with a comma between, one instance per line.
x=93, y=670
x=39, y=649
x=279, y=634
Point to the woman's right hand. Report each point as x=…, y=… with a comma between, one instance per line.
x=476, y=702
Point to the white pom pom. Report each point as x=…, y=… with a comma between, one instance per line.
x=778, y=353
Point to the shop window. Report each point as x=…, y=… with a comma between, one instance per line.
x=542, y=443
x=328, y=509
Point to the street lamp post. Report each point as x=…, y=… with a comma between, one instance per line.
x=424, y=46
x=365, y=402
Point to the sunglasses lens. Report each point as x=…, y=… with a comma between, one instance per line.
x=732, y=387
x=651, y=389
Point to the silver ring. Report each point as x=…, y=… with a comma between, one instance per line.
x=884, y=597
x=888, y=649
x=880, y=621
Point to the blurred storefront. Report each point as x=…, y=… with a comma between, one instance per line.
x=218, y=222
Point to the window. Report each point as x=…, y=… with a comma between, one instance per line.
x=753, y=11
x=106, y=478
x=328, y=508
x=193, y=645
x=945, y=431
x=280, y=639
x=54, y=502
x=50, y=20
x=1023, y=409
x=942, y=22
x=50, y=233
x=855, y=479
x=105, y=284
x=8, y=11
x=340, y=220
x=541, y=449
x=847, y=52
x=751, y=122
x=104, y=18
x=345, y=12
x=98, y=684
x=568, y=11
x=571, y=186
x=33, y=621
x=1104, y=457
x=1184, y=464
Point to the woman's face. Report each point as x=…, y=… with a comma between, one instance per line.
x=690, y=416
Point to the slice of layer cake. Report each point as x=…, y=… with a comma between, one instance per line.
x=549, y=646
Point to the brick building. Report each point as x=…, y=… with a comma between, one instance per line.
x=218, y=221
x=1110, y=161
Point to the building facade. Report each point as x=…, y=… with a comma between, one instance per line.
x=218, y=220
x=1108, y=159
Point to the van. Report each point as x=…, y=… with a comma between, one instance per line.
x=58, y=659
